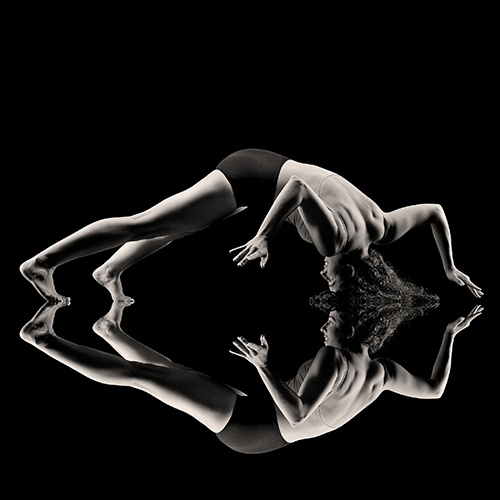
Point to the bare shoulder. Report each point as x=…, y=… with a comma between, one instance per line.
x=363, y=216
x=383, y=367
x=312, y=175
x=325, y=359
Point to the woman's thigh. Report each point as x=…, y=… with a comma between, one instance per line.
x=203, y=204
x=189, y=391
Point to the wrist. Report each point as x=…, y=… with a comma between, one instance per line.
x=450, y=335
x=264, y=369
x=450, y=268
x=265, y=234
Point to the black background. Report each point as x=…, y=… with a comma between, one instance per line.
x=108, y=122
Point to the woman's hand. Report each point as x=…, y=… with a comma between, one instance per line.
x=462, y=279
x=462, y=323
x=255, y=248
x=256, y=354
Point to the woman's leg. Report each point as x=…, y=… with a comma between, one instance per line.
x=109, y=274
x=209, y=402
x=109, y=328
x=206, y=202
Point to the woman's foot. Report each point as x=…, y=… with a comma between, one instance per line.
x=109, y=324
x=40, y=276
x=113, y=284
x=40, y=328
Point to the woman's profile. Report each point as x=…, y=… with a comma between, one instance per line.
x=327, y=210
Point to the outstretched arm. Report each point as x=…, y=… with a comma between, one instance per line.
x=319, y=380
x=399, y=380
x=399, y=222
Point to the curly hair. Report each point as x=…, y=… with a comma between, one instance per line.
x=373, y=301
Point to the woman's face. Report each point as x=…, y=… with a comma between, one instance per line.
x=331, y=271
x=330, y=330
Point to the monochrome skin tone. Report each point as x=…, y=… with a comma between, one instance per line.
x=212, y=403
x=362, y=217
x=328, y=207
x=330, y=213
x=366, y=379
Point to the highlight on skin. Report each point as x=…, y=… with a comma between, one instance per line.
x=373, y=301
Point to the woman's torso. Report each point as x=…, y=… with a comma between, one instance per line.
x=363, y=383
x=362, y=216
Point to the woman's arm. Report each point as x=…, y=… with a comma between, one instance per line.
x=319, y=380
x=399, y=222
x=403, y=382
x=317, y=218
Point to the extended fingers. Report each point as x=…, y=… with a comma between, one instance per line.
x=237, y=354
x=246, y=347
x=476, y=312
x=247, y=255
x=476, y=290
x=237, y=248
x=239, y=343
x=463, y=323
x=241, y=254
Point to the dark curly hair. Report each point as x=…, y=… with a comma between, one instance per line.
x=373, y=301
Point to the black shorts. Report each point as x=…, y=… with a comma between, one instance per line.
x=253, y=427
x=253, y=175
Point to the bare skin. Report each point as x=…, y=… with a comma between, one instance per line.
x=313, y=191
x=113, y=284
x=41, y=277
x=109, y=329
x=192, y=392
x=208, y=201
x=316, y=193
x=366, y=379
x=212, y=403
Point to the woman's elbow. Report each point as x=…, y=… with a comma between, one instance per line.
x=438, y=212
x=295, y=179
x=296, y=182
x=438, y=392
x=435, y=391
x=297, y=417
x=296, y=421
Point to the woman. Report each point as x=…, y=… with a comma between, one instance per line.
x=338, y=218
x=337, y=384
x=327, y=210
x=327, y=392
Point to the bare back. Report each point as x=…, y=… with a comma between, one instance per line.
x=363, y=217
x=363, y=384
